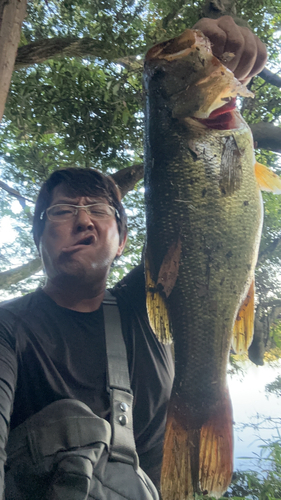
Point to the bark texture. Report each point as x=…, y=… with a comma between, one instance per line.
x=12, y=13
x=40, y=51
x=267, y=136
x=270, y=77
x=8, y=278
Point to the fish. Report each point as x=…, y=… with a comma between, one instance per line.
x=204, y=216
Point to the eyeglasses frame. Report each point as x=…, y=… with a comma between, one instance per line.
x=77, y=207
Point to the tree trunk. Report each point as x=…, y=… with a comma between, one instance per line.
x=8, y=278
x=12, y=13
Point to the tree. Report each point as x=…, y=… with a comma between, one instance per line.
x=76, y=99
x=12, y=13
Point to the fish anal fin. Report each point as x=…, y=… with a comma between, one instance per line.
x=216, y=450
x=180, y=457
x=266, y=179
x=157, y=309
x=243, y=329
x=169, y=269
x=198, y=460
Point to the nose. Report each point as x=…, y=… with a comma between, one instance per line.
x=82, y=221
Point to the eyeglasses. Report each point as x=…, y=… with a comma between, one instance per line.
x=63, y=212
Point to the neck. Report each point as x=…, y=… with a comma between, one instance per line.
x=81, y=298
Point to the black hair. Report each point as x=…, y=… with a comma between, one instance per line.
x=78, y=182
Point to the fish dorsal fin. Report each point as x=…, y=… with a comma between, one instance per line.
x=244, y=325
x=267, y=180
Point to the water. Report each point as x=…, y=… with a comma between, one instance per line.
x=255, y=408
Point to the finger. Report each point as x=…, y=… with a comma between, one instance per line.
x=260, y=59
x=215, y=34
x=234, y=40
x=248, y=56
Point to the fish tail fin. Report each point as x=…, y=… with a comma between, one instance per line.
x=198, y=460
x=267, y=180
x=243, y=329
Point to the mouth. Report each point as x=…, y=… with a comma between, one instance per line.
x=224, y=118
x=88, y=240
x=84, y=242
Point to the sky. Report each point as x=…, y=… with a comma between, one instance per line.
x=250, y=405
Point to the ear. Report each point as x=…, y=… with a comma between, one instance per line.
x=121, y=246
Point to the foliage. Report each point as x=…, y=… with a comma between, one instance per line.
x=87, y=111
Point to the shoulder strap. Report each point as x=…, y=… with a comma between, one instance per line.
x=123, y=446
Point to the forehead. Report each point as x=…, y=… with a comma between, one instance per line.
x=61, y=194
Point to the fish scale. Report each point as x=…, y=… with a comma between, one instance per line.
x=204, y=218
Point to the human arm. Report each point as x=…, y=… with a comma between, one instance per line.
x=227, y=37
x=8, y=372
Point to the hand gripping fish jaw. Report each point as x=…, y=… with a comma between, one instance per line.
x=196, y=81
x=204, y=218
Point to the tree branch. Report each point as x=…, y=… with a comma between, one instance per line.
x=8, y=278
x=50, y=48
x=267, y=136
x=128, y=177
x=14, y=193
x=270, y=77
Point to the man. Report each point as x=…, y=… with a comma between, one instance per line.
x=52, y=341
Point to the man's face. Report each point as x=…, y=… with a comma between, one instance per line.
x=82, y=247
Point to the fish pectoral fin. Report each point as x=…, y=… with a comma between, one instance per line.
x=157, y=309
x=169, y=269
x=243, y=329
x=267, y=180
x=216, y=450
x=197, y=460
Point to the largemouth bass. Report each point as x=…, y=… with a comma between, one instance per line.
x=204, y=219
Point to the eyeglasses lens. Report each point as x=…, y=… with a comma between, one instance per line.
x=65, y=212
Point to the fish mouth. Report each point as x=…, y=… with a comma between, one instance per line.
x=226, y=117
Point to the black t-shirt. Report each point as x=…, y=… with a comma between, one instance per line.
x=48, y=353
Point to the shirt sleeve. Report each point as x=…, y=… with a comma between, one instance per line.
x=8, y=374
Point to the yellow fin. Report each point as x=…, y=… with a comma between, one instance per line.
x=156, y=309
x=243, y=330
x=216, y=450
x=197, y=460
x=180, y=452
x=267, y=180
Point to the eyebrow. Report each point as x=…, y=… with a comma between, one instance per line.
x=70, y=201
